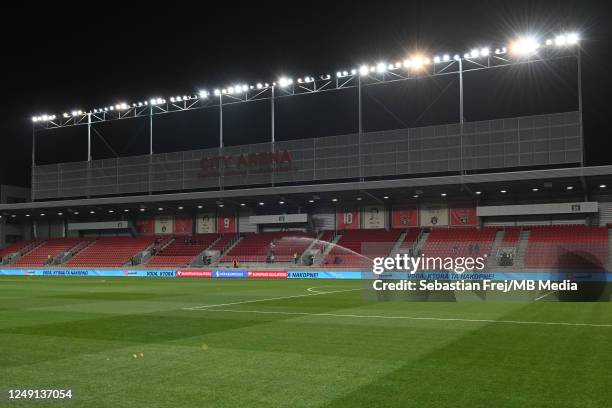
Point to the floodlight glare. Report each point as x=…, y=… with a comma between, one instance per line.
x=572, y=38
x=475, y=53
x=437, y=59
x=484, y=52
x=284, y=81
x=561, y=40
x=363, y=70
x=525, y=46
x=445, y=57
x=381, y=67
x=217, y=92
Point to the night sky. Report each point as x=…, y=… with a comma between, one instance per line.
x=87, y=55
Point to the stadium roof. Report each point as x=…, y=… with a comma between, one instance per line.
x=572, y=181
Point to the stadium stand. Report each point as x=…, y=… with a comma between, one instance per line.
x=41, y=255
x=355, y=248
x=110, y=251
x=182, y=251
x=15, y=247
x=570, y=245
x=261, y=247
x=411, y=238
x=459, y=242
x=224, y=242
x=511, y=236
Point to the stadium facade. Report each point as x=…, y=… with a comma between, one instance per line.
x=513, y=188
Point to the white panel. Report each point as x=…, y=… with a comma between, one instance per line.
x=373, y=217
x=278, y=219
x=164, y=225
x=531, y=209
x=605, y=213
x=324, y=219
x=243, y=221
x=206, y=223
x=78, y=226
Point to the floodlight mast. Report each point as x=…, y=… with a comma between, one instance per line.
x=522, y=51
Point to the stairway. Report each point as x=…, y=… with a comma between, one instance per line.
x=398, y=245
x=493, y=260
x=521, y=249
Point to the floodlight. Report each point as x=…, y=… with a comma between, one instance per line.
x=573, y=38
x=338, y=74
x=445, y=57
x=417, y=62
x=443, y=194
x=74, y=113
x=474, y=53
x=525, y=46
x=34, y=119
x=561, y=40
x=363, y=70
x=484, y=52
x=259, y=85
x=549, y=41
x=284, y=81
x=456, y=57
x=217, y=92
x=437, y=59
x=381, y=67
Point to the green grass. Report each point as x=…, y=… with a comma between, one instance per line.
x=82, y=333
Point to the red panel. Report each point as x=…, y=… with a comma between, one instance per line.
x=347, y=218
x=403, y=217
x=268, y=274
x=183, y=225
x=146, y=227
x=226, y=223
x=463, y=216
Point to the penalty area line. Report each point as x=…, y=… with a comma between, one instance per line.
x=206, y=307
x=439, y=319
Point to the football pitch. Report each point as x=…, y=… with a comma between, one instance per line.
x=131, y=342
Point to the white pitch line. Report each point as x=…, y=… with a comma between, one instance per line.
x=441, y=319
x=543, y=296
x=205, y=307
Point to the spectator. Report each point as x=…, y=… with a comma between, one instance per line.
x=295, y=258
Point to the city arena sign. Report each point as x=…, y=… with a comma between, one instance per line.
x=246, y=163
